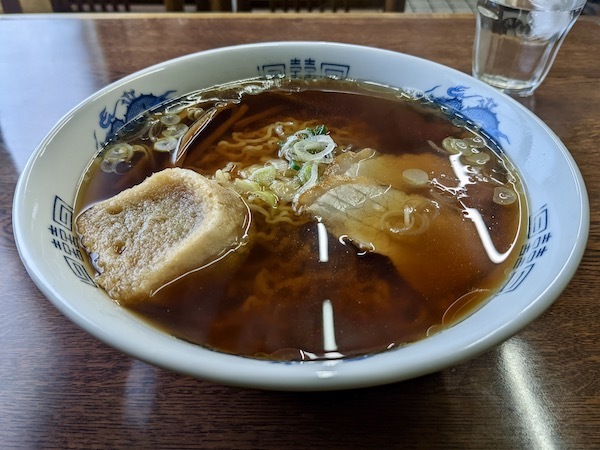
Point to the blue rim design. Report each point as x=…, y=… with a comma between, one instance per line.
x=476, y=108
x=132, y=106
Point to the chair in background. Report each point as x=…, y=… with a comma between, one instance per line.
x=11, y=6
x=126, y=5
x=91, y=5
x=16, y=6
x=20, y=6
x=321, y=5
x=201, y=5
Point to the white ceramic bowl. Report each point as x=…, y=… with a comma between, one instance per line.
x=558, y=203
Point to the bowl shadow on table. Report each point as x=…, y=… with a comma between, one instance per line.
x=428, y=411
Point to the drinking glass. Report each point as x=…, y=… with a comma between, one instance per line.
x=516, y=41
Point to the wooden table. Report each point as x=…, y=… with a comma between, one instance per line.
x=60, y=388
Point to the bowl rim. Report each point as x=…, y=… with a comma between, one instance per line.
x=314, y=375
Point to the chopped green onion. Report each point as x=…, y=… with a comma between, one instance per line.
x=455, y=146
x=166, y=144
x=504, y=196
x=313, y=148
x=170, y=119
x=416, y=177
x=475, y=142
x=118, y=152
x=279, y=164
x=304, y=172
x=309, y=145
x=319, y=129
x=478, y=158
x=266, y=196
x=285, y=190
x=264, y=176
x=245, y=186
x=175, y=131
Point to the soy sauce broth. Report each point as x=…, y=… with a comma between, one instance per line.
x=283, y=301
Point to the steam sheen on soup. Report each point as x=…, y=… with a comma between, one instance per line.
x=377, y=218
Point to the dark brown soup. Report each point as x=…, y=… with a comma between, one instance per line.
x=378, y=219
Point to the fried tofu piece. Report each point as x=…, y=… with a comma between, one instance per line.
x=174, y=222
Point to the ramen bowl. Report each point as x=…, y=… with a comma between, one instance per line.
x=556, y=195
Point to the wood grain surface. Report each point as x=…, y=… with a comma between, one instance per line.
x=61, y=388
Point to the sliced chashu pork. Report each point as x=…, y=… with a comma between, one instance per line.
x=362, y=196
